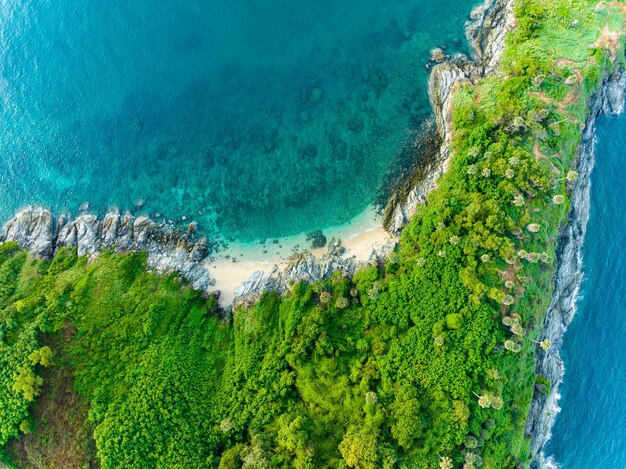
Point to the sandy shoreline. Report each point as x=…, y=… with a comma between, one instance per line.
x=359, y=237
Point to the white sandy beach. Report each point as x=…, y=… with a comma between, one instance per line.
x=232, y=267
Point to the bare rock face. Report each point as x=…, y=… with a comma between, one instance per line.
x=486, y=30
x=110, y=227
x=259, y=282
x=544, y=408
x=613, y=102
x=36, y=230
x=305, y=267
x=32, y=227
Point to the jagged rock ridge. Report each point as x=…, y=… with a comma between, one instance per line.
x=486, y=30
x=608, y=100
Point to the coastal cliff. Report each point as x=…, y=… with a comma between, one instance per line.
x=608, y=100
x=486, y=32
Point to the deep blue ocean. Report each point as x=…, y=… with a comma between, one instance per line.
x=255, y=118
x=590, y=430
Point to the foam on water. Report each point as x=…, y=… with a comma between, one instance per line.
x=257, y=119
x=590, y=430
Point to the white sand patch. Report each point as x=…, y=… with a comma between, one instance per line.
x=232, y=267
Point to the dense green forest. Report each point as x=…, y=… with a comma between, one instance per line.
x=427, y=361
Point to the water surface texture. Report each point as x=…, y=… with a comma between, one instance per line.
x=258, y=118
x=590, y=431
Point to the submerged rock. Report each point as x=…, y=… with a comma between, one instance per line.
x=377, y=79
x=317, y=238
x=438, y=55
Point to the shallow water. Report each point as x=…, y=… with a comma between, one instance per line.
x=257, y=119
x=590, y=431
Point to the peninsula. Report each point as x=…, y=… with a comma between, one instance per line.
x=431, y=341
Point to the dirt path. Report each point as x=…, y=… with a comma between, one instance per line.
x=572, y=96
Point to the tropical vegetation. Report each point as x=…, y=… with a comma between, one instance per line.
x=426, y=361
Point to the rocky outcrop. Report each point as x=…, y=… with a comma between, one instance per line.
x=36, y=230
x=305, y=267
x=486, y=30
x=609, y=100
x=168, y=249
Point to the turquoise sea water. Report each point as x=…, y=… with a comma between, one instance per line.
x=590, y=431
x=255, y=118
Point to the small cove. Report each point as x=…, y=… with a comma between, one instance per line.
x=257, y=120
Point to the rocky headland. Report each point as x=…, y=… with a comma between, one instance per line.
x=608, y=100
x=486, y=30
x=172, y=249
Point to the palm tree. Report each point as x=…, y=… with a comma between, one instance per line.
x=484, y=401
x=497, y=402
x=471, y=442
x=533, y=227
x=512, y=346
x=571, y=176
x=474, y=459
x=545, y=344
x=445, y=463
x=517, y=329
